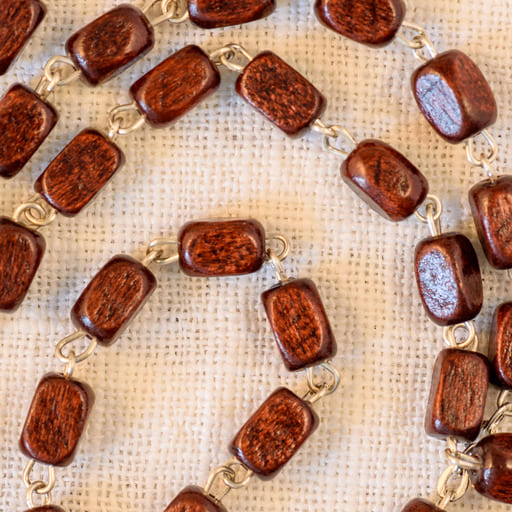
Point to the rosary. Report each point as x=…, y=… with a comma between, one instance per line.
x=455, y=98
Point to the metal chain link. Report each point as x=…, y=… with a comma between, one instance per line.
x=469, y=341
x=452, y=485
x=71, y=359
x=275, y=259
x=230, y=475
x=35, y=213
x=58, y=71
x=226, y=56
x=419, y=42
x=318, y=390
x=333, y=132
x=39, y=487
x=434, y=209
x=173, y=11
x=124, y=119
x=158, y=251
x=503, y=411
x=486, y=159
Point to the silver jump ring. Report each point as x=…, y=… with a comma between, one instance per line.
x=470, y=341
x=339, y=132
x=76, y=358
x=458, y=492
x=317, y=391
x=41, y=489
x=484, y=159
x=115, y=120
x=34, y=488
x=155, y=252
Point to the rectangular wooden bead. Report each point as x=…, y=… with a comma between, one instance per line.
x=280, y=93
x=419, y=505
x=175, y=86
x=18, y=21
x=25, y=122
x=79, y=172
x=500, y=345
x=112, y=298
x=193, y=499
x=299, y=322
x=274, y=433
x=46, y=508
x=218, y=248
x=458, y=394
x=111, y=43
x=21, y=251
x=454, y=96
x=56, y=420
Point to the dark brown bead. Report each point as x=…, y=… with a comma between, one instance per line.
x=79, y=172
x=454, y=96
x=225, y=13
x=193, y=499
x=419, y=505
x=46, y=508
x=18, y=21
x=111, y=43
x=221, y=247
x=458, y=393
x=274, y=433
x=56, y=420
x=500, y=345
x=448, y=278
x=25, y=122
x=371, y=22
x=491, y=206
x=384, y=179
x=175, y=86
x=21, y=251
x=494, y=479
x=112, y=298
x=299, y=322
x=280, y=93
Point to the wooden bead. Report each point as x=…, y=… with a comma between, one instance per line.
x=274, y=433
x=280, y=93
x=419, y=505
x=221, y=247
x=193, y=499
x=175, y=86
x=454, y=96
x=500, y=345
x=494, y=479
x=371, y=22
x=225, y=13
x=448, y=278
x=46, y=508
x=79, y=172
x=491, y=206
x=111, y=43
x=458, y=393
x=56, y=420
x=21, y=251
x=113, y=297
x=25, y=122
x=18, y=21
x=299, y=322
x=384, y=179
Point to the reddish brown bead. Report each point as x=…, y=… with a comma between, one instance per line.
x=457, y=395
x=21, y=251
x=25, y=122
x=280, y=93
x=454, y=96
x=218, y=248
x=384, y=179
x=448, y=278
x=371, y=22
x=193, y=499
x=175, y=86
x=111, y=43
x=491, y=206
x=500, y=345
x=46, y=508
x=18, y=21
x=274, y=433
x=56, y=420
x=79, y=172
x=419, y=505
x=113, y=297
x=300, y=324
x=494, y=479
x=225, y=13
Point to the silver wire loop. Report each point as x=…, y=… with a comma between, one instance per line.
x=486, y=159
x=332, y=132
x=432, y=217
x=470, y=341
x=58, y=71
x=463, y=460
x=226, y=55
x=316, y=390
x=173, y=11
x=35, y=488
x=420, y=41
x=124, y=119
x=504, y=411
x=277, y=266
x=227, y=476
x=159, y=251
x=447, y=485
x=45, y=488
x=504, y=397
x=35, y=213
x=72, y=357
x=283, y=241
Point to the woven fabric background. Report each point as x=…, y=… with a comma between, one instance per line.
x=200, y=357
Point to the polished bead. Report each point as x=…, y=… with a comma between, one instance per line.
x=280, y=93
x=56, y=420
x=500, y=345
x=419, y=505
x=299, y=322
x=225, y=13
x=491, y=206
x=25, y=122
x=79, y=172
x=46, y=508
x=175, y=86
x=454, y=96
x=221, y=247
x=112, y=298
x=274, y=433
x=21, y=251
x=457, y=395
x=494, y=479
x=448, y=278
x=18, y=21
x=384, y=179
x=371, y=22
x=111, y=43
x=193, y=499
